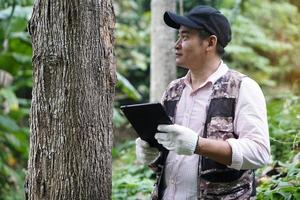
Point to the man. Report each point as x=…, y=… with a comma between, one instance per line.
x=220, y=132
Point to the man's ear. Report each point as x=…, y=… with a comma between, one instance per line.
x=212, y=42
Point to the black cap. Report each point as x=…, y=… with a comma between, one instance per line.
x=205, y=17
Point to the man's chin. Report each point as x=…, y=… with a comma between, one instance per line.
x=178, y=63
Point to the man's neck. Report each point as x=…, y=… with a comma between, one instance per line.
x=201, y=73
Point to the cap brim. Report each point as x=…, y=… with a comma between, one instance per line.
x=175, y=21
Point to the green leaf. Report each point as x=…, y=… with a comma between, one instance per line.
x=8, y=124
x=21, y=58
x=10, y=98
x=8, y=63
x=127, y=88
x=18, y=45
x=118, y=119
x=24, y=12
x=23, y=36
x=17, y=24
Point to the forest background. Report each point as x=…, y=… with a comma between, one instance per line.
x=265, y=46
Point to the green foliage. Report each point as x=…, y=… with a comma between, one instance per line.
x=133, y=54
x=133, y=45
x=130, y=180
x=15, y=58
x=127, y=88
x=13, y=143
x=283, y=180
x=285, y=184
x=7, y=3
x=265, y=45
x=284, y=115
x=262, y=47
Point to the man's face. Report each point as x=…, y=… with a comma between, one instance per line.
x=189, y=48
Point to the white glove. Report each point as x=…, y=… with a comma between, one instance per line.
x=144, y=153
x=177, y=138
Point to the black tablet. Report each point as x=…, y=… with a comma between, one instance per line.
x=145, y=118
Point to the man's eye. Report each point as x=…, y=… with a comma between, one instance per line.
x=184, y=37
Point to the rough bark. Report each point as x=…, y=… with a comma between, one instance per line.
x=73, y=91
x=163, y=67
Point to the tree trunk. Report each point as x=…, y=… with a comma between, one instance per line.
x=163, y=67
x=73, y=91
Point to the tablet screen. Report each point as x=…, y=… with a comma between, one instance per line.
x=145, y=118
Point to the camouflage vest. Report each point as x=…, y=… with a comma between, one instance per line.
x=215, y=181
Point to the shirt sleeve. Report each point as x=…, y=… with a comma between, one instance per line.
x=252, y=148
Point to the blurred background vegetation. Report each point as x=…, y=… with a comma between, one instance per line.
x=265, y=46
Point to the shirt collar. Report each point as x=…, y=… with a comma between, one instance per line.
x=222, y=70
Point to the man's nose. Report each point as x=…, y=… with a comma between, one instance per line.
x=178, y=44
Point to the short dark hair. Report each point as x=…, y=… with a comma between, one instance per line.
x=204, y=35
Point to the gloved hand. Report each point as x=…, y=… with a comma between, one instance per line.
x=144, y=153
x=177, y=138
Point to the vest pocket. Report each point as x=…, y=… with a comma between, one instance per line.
x=219, y=128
